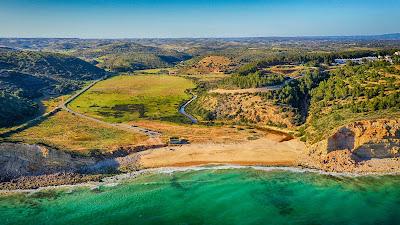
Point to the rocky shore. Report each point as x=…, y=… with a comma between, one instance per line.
x=365, y=147
x=56, y=179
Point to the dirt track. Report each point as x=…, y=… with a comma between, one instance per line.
x=149, y=133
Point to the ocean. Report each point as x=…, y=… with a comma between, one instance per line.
x=214, y=196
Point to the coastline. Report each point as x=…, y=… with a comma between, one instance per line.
x=119, y=178
x=270, y=152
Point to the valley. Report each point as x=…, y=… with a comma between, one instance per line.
x=220, y=107
x=117, y=112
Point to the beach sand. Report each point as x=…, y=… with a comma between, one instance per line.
x=271, y=150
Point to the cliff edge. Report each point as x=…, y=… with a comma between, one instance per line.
x=363, y=146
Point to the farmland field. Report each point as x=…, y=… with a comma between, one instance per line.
x=130, y=98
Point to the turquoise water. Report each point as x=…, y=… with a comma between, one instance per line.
x=235, y=196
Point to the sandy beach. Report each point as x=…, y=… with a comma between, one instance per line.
x=266, y=151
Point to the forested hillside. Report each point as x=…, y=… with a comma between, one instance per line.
x=127, y=56
x=310, y=92
x=354, y=93
x=27, y=75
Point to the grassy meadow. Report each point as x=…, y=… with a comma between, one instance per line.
x=131, y=97
x=72, y=133
x=51, y=103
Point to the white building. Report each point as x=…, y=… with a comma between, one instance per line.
x=356, y=60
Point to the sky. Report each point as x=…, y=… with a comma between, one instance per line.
x=201, y=18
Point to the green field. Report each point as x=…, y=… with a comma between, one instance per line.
x=130, y=98
x=71, y=133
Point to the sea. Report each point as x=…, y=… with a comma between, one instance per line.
x=213, y=196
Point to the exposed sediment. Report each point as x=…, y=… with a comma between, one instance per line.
x=29, y=166
x=364, y=146
x=18, y=159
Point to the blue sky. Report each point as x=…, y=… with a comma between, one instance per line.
x=201, y=18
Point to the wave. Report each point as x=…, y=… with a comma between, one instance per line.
x=117, y=179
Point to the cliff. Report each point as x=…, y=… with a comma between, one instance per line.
x=367, y=145
x=17, y=159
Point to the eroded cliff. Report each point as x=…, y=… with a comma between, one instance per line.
x=18, y=159
x=369, y=145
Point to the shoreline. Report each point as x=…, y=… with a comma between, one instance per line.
x=119, y=178
x=270, y=152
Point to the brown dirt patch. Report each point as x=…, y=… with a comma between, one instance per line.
x=213, y=134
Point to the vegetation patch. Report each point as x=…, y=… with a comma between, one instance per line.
x=51, y=103
x=126, y=57
x=72, y=133
x=354, y=93
x=26, y=76
x=207, y=65
x=200, y=133
x=131, y=97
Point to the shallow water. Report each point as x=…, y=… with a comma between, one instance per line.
x=234, y=196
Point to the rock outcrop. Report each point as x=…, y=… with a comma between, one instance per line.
x=18, y=159
x=353, y=145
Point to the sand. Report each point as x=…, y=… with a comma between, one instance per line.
x=266, y=151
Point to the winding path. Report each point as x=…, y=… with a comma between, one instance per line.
x=40, y=118
x=64, y=106
x=149, y=133
x=182, y=110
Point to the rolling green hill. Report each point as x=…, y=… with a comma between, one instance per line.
x=28, y=75
x=128, y=56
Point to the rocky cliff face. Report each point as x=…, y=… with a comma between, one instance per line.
x=352, y=146
x=17, y=159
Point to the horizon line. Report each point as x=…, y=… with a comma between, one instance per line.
x=209, y=37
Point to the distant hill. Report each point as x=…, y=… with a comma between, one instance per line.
x=115, y=55
x=378, y=37
x=48, y=64
x=207, y=64
x=27, y=75
x=128, y=56
x=395, y=36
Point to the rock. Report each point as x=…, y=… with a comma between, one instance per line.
x=34, y=182
x=366, y=139
x=352, y=146
x=18, y=159
x=339, y=161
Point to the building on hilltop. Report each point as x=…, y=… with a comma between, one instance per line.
x=356, y=60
